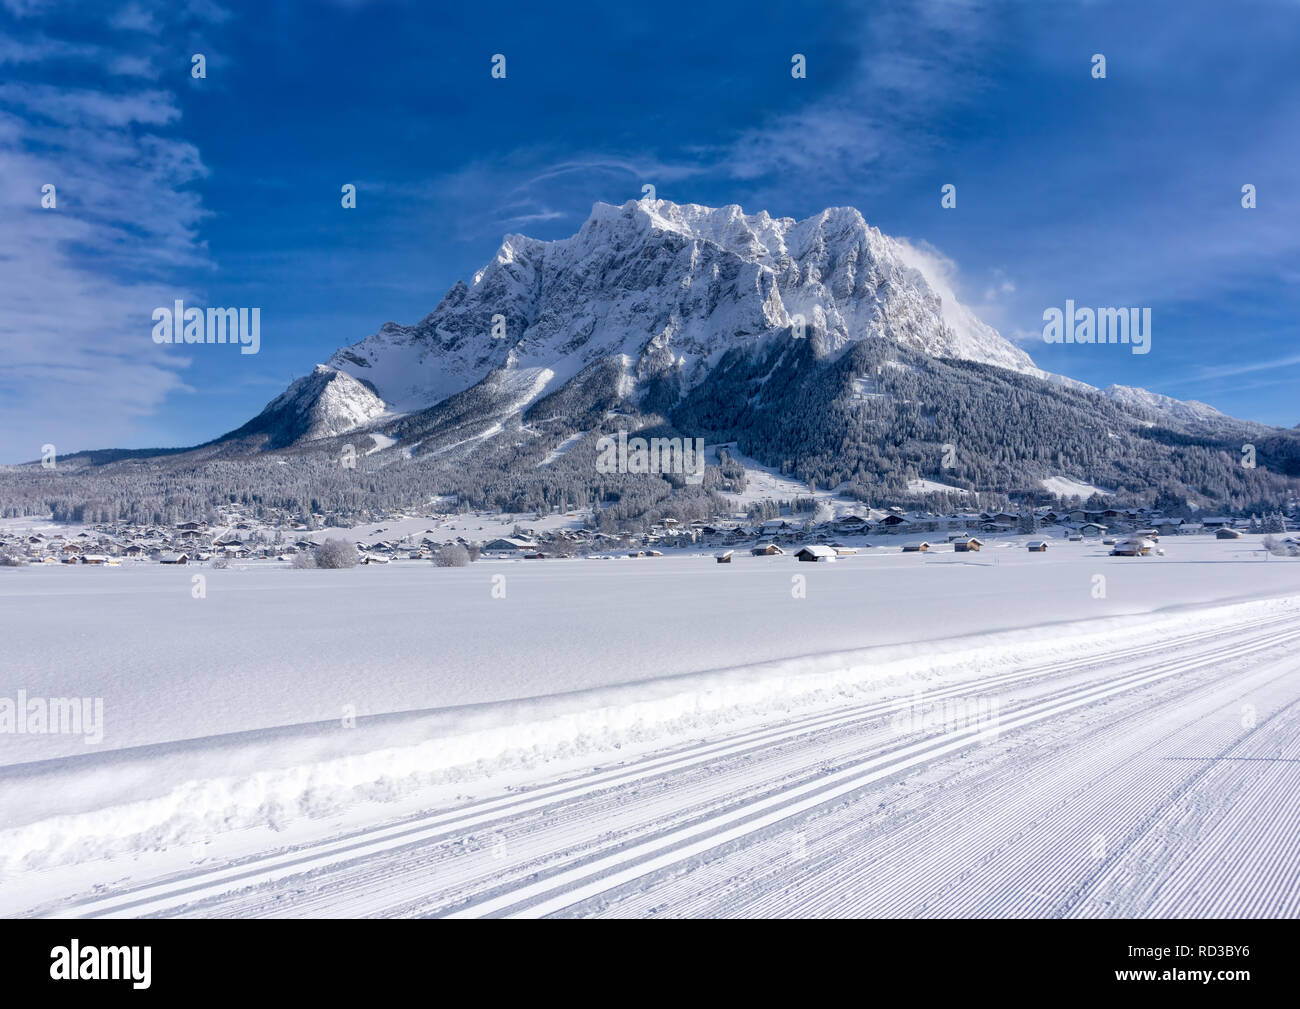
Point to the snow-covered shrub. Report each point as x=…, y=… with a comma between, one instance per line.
x=336, y=554
x=305, y=559
x=453, y=555
x=1280, y=548
x=12, y=561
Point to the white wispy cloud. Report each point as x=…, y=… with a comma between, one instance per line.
x=876, y=117
x=38, y=48
x=1227, y=369
x=82, y=279
x=134, y=17
x=847, y=138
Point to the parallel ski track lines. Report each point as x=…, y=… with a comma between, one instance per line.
x=574, y=840
x=561, y=890
x=984, y=838
x=186, y=891
x=1231, y=871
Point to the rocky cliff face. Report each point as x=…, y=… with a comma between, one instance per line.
x=663, y=290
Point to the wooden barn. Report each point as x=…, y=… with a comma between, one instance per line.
x=1227, y=533
x=916, y=548
x=817, y=552
x=766, y=550
x=968, y=544
x=725, y=558
x=1037, y=546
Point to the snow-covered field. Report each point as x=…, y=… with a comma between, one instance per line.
x=280, y=711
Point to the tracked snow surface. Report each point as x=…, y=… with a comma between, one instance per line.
x=665, y=737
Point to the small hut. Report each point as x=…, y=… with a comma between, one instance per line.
x=1138, y=547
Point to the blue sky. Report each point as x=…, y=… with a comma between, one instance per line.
x=225, y=191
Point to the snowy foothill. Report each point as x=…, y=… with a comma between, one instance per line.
x=767, y=483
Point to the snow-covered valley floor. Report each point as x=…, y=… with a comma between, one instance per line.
x=899, y=735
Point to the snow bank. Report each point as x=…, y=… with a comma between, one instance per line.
x=145, y=798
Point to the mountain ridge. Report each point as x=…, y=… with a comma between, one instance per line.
x=667, y=286
x=847, y=279
x=821, y=346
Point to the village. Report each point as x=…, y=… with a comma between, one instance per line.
x=237, y=534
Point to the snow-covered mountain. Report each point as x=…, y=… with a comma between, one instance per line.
x=664, y=290
x=821, y=346
x=820, y=349
x=323, y=404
